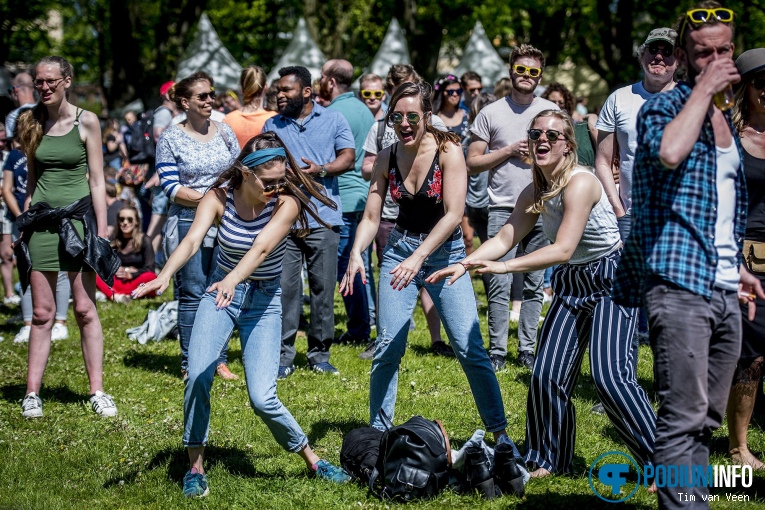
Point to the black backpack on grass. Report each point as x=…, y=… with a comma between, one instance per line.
x=358, y=455
x=414, y=461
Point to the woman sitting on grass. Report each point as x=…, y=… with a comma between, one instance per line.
x=255, y=203
x=580, y=223
x=136, y=254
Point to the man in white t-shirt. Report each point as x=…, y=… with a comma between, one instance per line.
x=501, y=128
x=618, y=117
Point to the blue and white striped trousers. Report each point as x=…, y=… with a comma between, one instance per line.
x=582, y=314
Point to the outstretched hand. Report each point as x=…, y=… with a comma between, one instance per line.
x=488, y=266
x=455, y=272
x=355, y=265
x=145, y=289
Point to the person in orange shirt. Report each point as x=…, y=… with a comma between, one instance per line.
x=248, y=121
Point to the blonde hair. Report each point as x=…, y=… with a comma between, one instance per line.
x=29, y=127
x=253, y=83
x=543, y=190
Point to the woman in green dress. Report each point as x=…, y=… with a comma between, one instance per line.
x=65, y=161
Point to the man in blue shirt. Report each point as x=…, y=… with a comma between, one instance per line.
x=682, y=257
x=322, y=140
x=335, y=86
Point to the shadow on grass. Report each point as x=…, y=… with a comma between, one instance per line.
x=319, y=429
x=15, y=392
x=233, y=460
x=153, y=362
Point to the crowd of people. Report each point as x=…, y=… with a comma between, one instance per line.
x=648, y=211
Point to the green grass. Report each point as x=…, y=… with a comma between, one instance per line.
x=72, y=459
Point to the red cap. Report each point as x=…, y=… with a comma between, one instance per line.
x=165, y=87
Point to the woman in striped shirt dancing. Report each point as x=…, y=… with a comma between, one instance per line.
x=255, y=204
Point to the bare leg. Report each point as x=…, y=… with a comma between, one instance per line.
x=740, y=407
x=43, y=312
x=431, y=316
x=540, y=473
x=196, y=458
x=308, y=456
x=6, y=269
x=91, y=334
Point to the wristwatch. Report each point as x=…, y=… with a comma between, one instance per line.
x=323, y=172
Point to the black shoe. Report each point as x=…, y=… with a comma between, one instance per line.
x=348, y=339
x=478, y=473
x=369, y=352
x=441, y=348
x=525, y=359
x=507, y=474
x=497, y=362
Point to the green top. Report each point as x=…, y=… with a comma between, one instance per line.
x=353, y=188
x=585, y=150
x=61, y=167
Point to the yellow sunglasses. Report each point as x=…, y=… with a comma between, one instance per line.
x=534, y=72
x=369, y=94
x=701, y=16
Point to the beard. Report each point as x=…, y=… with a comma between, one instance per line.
x=524, y=88
x=293, y=107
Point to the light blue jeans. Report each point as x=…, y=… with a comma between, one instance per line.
x=457, y=308
x=256, y=310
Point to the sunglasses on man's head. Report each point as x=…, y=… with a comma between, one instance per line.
x=126, y=219
x=700, y=16
x=534, y=72
x=369, y=94
x=455, y=92
x=665, y=49
x=397, y=118
x=552, y=135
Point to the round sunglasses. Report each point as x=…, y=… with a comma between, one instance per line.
x=396, y=118
x=552, y=135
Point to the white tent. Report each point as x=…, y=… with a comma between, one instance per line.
x=393, y=50
x=480, y=56
x=301, y=51
x=207, y=53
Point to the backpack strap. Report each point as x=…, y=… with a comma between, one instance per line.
x=385, y=419
x=380, y=134
x=446, y=440
x=222, y=134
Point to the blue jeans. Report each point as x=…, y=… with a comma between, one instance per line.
x=357, y=303
x=191, y=284
x=457, y=308
x=256, y=310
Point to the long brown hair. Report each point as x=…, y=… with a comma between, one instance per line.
x=424, y=92
x=298, y=184
x=29, y=128
x=135, y=242
x=543, y=190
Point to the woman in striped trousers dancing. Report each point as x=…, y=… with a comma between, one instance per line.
x=577, y=218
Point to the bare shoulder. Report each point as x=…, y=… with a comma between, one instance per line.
x=89, y=119
x=584, y=184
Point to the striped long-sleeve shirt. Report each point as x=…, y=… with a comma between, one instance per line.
x=184, y=162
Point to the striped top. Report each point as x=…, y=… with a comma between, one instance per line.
x=236, y=236
x=601, y=234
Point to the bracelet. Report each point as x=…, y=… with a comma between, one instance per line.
x=504, y=263
x=464, y=265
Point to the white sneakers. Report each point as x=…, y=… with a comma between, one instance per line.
x=59, y=332
x=13, y=300
x=103, y=405
x=31, y=406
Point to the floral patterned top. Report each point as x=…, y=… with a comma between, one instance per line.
x=418, y=212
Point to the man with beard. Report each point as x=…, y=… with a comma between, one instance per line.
x=501, y=128
x=335, y=87
x=322, y=140
x=683, y=256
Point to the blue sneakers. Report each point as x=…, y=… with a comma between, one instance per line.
x=331, y=473
x=195, y=485
x=284, y=372
x=325, y=368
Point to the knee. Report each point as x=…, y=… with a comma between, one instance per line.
x=263, y=402
x=43, y=314
x=85, y=313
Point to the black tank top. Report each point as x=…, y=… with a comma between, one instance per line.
x=754, y=169
x=420, y=212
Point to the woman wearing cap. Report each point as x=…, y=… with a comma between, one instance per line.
x=190, y=157
x=581, y=224
x=255, y=203
x=248, y=121
x=749, y=119
x=426, y=238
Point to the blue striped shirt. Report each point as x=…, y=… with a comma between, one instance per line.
x=236, y=236
x=674, y=212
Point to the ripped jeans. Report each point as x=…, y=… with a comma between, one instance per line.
x=457, y=308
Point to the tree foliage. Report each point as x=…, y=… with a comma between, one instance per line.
x=129, y=47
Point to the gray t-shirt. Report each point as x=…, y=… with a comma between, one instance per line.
x=163, y=117
x=500, y=124
x=390, y=208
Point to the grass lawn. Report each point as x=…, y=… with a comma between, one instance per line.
x=72, y=459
